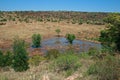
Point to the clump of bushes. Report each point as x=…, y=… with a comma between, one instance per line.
x=35, y=60
x=52, y=54
x=111, y=35
x=106, y=69
x=70, y=38
x=36, y=39
x=20, y=56
x=66, y=62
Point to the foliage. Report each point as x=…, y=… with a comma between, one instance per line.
x=36, y=39
x=80, y=22
x=66, y=62
x=58, y=31
x=6, y=59
x=1, y=59
x=53, y=53
x=93, y=51
x=111, y=35
x=39, y=19
x=106, y=69
x=70, y=38
x=3, y=77
x=20, y=57
x=36, y=59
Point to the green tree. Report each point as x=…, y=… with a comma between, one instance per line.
x=20, y=57
x=36, y=39
x=111, y=35
x=70, y=38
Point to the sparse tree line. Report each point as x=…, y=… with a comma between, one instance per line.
x=49, y=16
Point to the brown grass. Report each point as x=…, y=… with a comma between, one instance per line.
x=26, y=30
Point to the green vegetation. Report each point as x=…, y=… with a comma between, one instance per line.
x=5, y=59
x=1, y=59
x=58, y=32
x=70, y=38
x=35, y=60
x=66, y=62
x=36, y=39
x=51, y=54
x=20, y=56
x=106, y=69
x=80, y=22
x=111, y=36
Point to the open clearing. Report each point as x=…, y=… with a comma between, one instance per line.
x=47, y=30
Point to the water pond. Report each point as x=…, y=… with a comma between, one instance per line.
x=62, y=44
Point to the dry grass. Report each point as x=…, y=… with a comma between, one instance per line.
x=43, y=71
x=25, y=30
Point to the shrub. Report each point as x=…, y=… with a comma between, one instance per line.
x=66, y=62
x=58, y=31
x=36, y=39
x=1, y=59
x=70, y=38
x=40, y=19
x=93, y=51
x=20, y=57
x=80, y=22
x=36, y=59
x=106, y=69
x=53, y=53
x=6, y=59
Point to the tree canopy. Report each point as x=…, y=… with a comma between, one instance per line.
x=111, y=35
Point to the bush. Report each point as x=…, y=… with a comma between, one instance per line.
x=20, y=57
x=52, y=54
x=36, y=59
x=6, y=59
x=58, y=31
x=106, y=69
x=70, y=38
x=1, y=59
x=80, y=22
x=66, y=62
x=36, y=39
x=93, y=51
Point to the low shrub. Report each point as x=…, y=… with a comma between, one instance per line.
x=106, y=69
x=35, y=60
x=66, y=62
x=53, y=53
x=93, y=51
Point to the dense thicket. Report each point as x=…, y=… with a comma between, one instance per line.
x=111, y=35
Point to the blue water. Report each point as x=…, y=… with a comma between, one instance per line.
x=61, y=43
